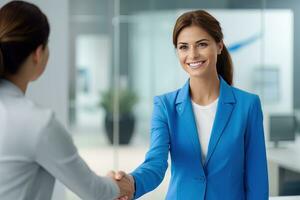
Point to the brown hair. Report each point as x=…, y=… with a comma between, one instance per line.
x=206, y=21
x=23, y=27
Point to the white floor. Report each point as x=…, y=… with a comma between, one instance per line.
x=102, y=158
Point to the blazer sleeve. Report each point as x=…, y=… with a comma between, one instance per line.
x=56, y=153
x=256, y=171
x=152, y=171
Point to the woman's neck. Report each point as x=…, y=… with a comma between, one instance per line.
x=204, y=90
x=19, y=82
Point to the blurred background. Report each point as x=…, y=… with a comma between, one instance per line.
x=109, y=58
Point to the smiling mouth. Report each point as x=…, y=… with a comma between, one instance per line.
x=195, y=65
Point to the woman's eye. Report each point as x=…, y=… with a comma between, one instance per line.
x=183, y=47
x=202, y=44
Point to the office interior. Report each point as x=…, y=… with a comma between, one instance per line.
x=109, y=58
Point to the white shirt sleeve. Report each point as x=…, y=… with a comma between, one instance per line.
x=55, y=152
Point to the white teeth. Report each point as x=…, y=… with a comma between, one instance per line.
x=196, y=64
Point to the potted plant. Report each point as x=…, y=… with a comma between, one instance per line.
x=127, y=100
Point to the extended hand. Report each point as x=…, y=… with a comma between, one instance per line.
x=125, y=183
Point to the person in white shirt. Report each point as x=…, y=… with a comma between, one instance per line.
x=35, y=149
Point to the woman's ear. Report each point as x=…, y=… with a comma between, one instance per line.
x=39, y=58
x=220, y=47
x=38, y=54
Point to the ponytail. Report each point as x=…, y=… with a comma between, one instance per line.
x=225, y=66
x=1, y=62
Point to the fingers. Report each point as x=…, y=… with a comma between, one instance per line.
x=123, y=198
x=125, y=183
x=111, y=174
x=131, y=178
x=119, y=175
x=126, y=186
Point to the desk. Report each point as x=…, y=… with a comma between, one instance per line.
x=285, y=198
x=287, y=161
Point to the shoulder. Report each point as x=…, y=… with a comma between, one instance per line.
x=247, y=103
x=245, y=97
x=167, y=98
x=28, y=116
x=164, y=104
x=25, y=121
x=36, y=113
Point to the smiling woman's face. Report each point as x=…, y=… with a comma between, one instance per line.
x=198, y=52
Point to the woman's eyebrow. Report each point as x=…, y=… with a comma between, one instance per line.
x=198, y=41
x=202, y=40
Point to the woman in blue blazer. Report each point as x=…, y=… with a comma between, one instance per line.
x=213, y=131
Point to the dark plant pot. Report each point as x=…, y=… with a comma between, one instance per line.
x=126, y=127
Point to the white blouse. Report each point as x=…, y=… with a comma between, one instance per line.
x=35, y=149
x=205, y=117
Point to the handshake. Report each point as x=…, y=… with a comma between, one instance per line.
x=125, y=183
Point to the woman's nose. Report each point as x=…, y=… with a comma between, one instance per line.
x=194, y=53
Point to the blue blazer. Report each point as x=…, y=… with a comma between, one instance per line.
x=235, y=167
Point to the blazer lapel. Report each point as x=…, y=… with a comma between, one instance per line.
x=225, y=106
x=185, y=111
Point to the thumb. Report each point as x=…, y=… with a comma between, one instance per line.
x=119, y=175
x=111, y=174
